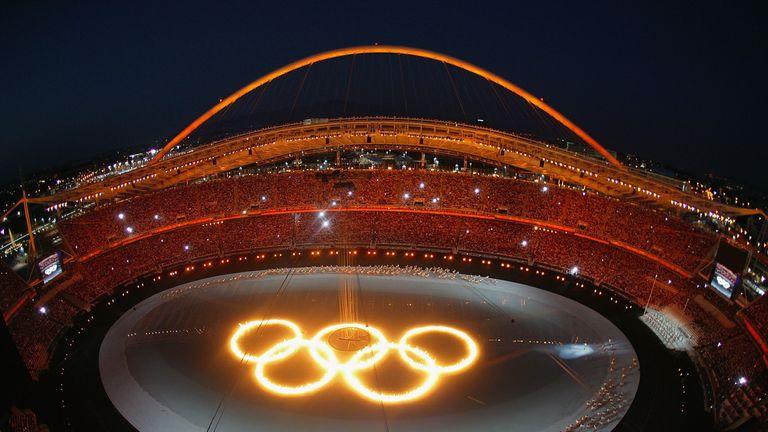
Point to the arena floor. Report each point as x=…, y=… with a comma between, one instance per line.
x=544, y=362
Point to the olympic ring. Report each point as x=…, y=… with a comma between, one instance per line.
x=245, y=328
x=322, y=354
x=418, y=392
x=456, y=367
x=349, y=365
x=297, y=390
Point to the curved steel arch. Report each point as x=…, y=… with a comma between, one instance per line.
x=386, y=49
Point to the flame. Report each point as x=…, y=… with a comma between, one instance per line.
x=323, y=355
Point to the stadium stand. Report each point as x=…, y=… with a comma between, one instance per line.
x=615, y=244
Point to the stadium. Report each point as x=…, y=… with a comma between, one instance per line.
x=382, y=237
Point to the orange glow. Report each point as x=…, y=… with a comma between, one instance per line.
x=507, y=218
x=460, y=365
x=365, y=358
x=380, y=340
x=243, y=329
x=278, y=352
x=432, y=376
x=386, y=49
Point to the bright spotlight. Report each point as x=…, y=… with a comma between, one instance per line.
x=43, y=310
x=406, y=195
x=421, y=185
x=157, y=217
x=477, y=191
x=321, y=214
x=574, y=270
x=742, y=380
x=121, y=216
x=573, y=351
x=326, y=224
x=524, y=243
x=545, y=188
x=129, y=230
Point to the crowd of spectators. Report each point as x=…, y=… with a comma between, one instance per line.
x=11, y=287
x=604, y=263
x=757, y=313
x=655, y=232
x=24, y=421
x=61, y=311
x=738, y=376
x=34, y=334
x=372, y=208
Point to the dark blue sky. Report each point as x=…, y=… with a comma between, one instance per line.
x=683, y=84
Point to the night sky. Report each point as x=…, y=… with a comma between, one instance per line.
x=683, y=84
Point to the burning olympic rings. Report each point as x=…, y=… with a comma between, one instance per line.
x=324, y=356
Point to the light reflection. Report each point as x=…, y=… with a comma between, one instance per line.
x=572, y=351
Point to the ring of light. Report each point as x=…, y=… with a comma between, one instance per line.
x=432, y=376
x=453, y=368
x=245, y=328
x=353, y=363
x=274, y=354
x=322, y=354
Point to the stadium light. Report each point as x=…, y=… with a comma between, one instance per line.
x=121, y=216
x=321, y=214
x=406, y=195
x=574, y=270
x=545, y=189
x=129, y=230
x=524, y=243
x=263, y=198
x=156, y=217
x=742, y=380
x=186, y=247
x=421, y=185
x=326, y=224
x=477, y=191
x=43, y=310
